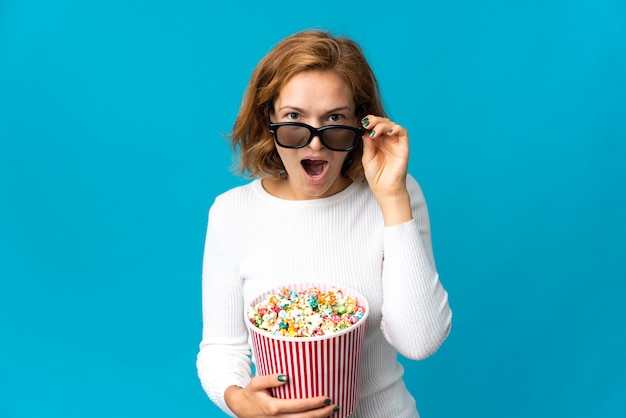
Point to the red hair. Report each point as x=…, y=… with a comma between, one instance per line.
x=303, y=51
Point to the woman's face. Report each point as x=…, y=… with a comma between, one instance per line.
x=317, y=98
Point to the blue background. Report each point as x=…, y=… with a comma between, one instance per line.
x=111, y=152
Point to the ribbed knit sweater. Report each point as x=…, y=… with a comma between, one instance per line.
x=256, y=242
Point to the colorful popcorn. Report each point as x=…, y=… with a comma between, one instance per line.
x=307, y=313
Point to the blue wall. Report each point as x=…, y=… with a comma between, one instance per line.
x=111, y=115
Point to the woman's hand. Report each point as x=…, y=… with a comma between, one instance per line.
x=385, y=162
x=255, y=401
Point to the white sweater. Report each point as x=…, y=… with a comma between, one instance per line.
x=256, y=242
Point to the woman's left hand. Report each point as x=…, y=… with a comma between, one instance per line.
x=385, y=155
x=385, y=162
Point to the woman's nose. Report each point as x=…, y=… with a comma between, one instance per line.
x=316, y=143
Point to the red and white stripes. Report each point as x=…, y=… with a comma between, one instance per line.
x=316, y=367
x=328, y=365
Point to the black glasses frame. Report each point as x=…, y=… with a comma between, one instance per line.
x=358, y=133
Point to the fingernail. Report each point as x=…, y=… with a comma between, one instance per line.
x=390, y=131
x=372, y=133
x=282, y=378
x=336, y=408
x=365, y=122
x=327, y=401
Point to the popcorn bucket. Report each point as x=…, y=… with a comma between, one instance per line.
x=324, y=365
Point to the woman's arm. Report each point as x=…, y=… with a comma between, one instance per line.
x=224, y=356
x=416, y=315
x=223, y=363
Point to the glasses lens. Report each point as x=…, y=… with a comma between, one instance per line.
x=339, y=138
x=292, y=136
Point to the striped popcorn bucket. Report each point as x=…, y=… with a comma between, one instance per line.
x=326, y=365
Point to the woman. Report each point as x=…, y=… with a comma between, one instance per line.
x=332, y=204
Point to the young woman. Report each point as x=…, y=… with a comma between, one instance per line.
x=331, y=201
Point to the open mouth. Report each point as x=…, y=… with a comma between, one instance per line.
x=314, y=168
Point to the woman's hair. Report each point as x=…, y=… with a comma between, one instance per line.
x=303, y=51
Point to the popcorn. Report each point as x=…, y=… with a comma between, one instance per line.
x=307, y=313
x=279, y=321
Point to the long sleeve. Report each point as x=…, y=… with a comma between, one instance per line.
x=416, y=316
x=223, y=359
x=256, y=242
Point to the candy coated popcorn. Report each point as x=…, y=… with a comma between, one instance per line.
x=307, y=313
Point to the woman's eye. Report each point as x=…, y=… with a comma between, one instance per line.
x=336, y=118
x=293, y=116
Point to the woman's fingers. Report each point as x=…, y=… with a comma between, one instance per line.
x=379, y=127
x=319, y=406
x=268, y=382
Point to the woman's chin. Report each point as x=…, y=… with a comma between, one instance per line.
x=317, y=187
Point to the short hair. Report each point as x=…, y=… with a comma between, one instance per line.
x=304, y=51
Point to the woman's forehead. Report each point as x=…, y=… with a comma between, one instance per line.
x=315, y=91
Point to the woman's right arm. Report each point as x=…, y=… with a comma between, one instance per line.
x=223, y=362
x=224, y=356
